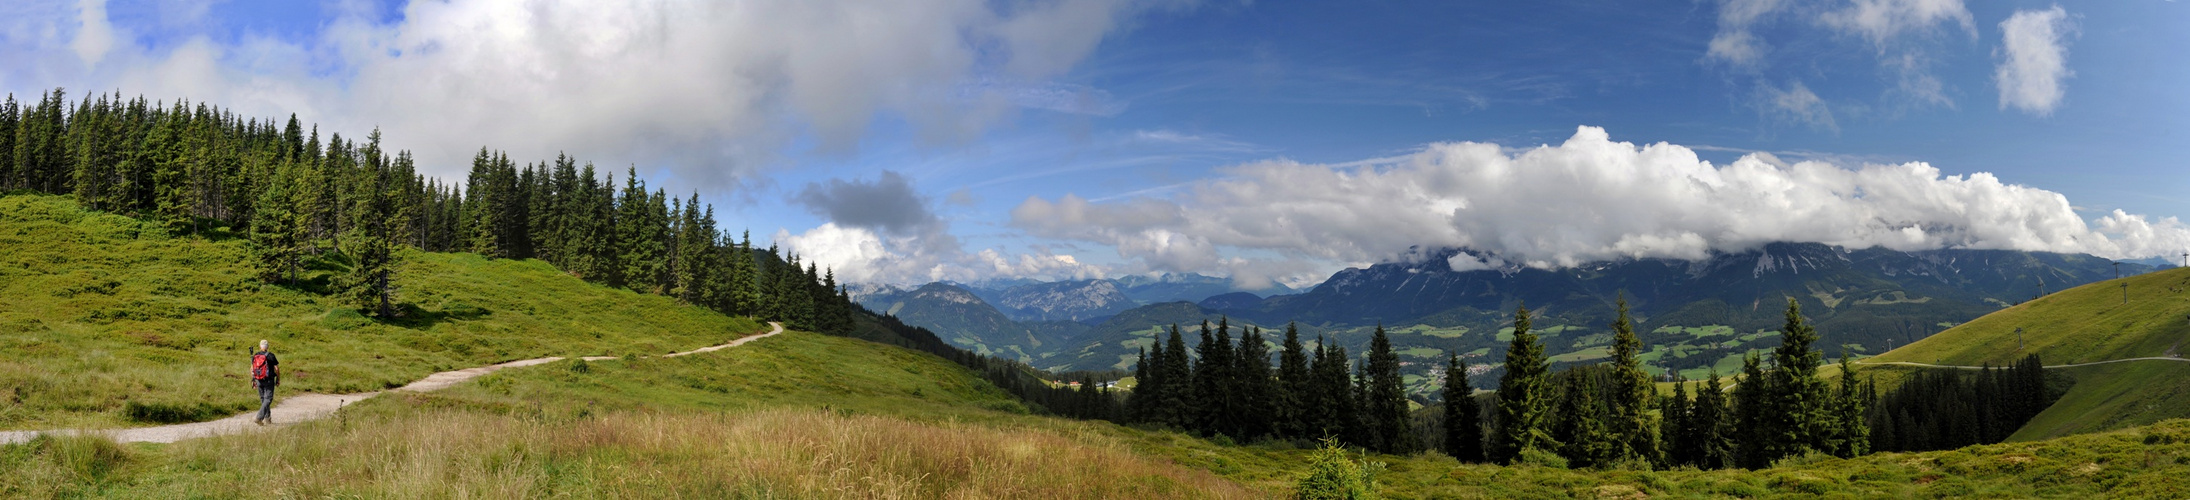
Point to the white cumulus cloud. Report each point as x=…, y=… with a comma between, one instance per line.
x=860, y=255
x=1587, y=199
x=715, y=89
x=2034, y=60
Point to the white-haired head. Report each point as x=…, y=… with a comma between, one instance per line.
x=262, y=344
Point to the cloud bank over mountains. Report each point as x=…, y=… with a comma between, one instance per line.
x=1587, y=199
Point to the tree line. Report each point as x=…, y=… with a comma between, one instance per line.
x=299, y=199
x=1231, y=389
x=1600, y=415
x=1604, y=415
x=1938, y=410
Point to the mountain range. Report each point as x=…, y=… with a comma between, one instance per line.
x=1694, y=315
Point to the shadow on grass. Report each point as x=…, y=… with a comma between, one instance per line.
x=406, y=316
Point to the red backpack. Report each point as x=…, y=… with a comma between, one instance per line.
x=259, y=369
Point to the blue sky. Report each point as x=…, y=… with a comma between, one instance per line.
x=971, y=139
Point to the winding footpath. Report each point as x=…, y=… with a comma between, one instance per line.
x=1960, y=367
x=308, y=407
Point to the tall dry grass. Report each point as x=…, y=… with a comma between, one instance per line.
x=779, y=453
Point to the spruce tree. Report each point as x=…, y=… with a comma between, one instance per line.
x=1214, y=381
x=1633, y=394
x=1294, y=390
x=480, y=198
x=11, y=119
x=1387, y=398
x=1177, y=407
x=1579, y=429
x=639, y=225
x=1523, y=395
x=1463, y=436
x=1137, y=403
x=1339, y=415
x=91, y=137
x=1710, y=431
x=1673, y=424
x=1257, y=391
x=1802, y=415
x=374, y=242
x=1851, y=408
x=1753, y=406
x=273, y=233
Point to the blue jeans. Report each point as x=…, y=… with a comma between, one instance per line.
x=266, y=403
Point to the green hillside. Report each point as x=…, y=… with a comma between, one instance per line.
x=106, y=321
x=2085, y=324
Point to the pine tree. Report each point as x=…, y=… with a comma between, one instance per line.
x=1752, y=416
x=1335, y=409
x=1388, y=398
x=1801, y=414
x=639, y=225
x=1850, y=409
x=1137, y=403
x=1463, y=437
x=744, y=291
x=169, y=148
x=1214, y=381
x=376, y=238
x=1633, y=395
x=42, y=159
x=1580, y=431
x=11, y=119
x=1673, y=424
x=1176, y=406
x=1711, y=432
x=273, y=233
x=1257, y=391
x=480, y=198
x=1523, y=395
x=1295, y=386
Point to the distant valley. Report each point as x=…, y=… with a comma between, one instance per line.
x=1696, y=315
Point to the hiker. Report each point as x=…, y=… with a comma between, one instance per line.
x=265, y=374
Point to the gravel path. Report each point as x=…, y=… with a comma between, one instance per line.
x=307, y=407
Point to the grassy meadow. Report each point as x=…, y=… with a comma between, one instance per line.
x=107, y=321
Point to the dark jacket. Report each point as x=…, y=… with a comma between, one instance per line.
x=273, y=370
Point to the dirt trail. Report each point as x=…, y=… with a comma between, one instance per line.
x=308, y=407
